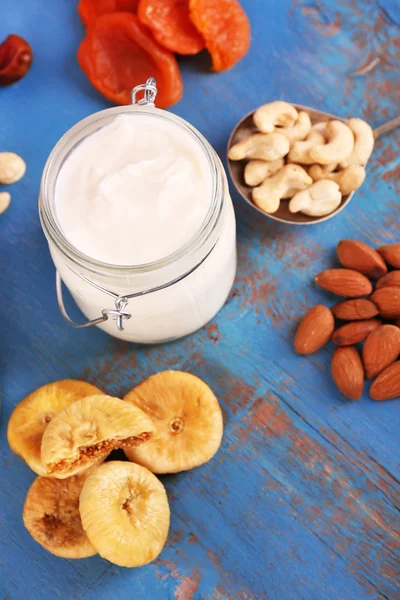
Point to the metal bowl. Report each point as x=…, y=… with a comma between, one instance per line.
x=246, y=127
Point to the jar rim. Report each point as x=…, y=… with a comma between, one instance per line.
x=66, y=145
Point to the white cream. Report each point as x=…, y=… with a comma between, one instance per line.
x=135, y=191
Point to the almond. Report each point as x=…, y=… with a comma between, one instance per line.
x=355, y=310
x=347, y=372
x=391, y=254
x=387, y=385
x=352, y=333
x=344, y=282
x=381, y=349
x=361, y=257
x=387, y=299
x=314, y=330
x=391, y=279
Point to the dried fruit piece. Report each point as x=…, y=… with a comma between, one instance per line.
x=387, y=385
x=387, y=299
x=225, y=28
x=12, y=167
x=90, y=10
x=119, y=53
x=15, y=59
x=391, y=254
x=361, y=257
x=314, y=330
x=187, y=418
x=51, y=515
x=355, y=310
x=171, y=25
x=347, y=372
x=88, y=430
x=30, y=417
x=125, y=513
x=391, y=279
x=344, y=282
x=352, y=333
x=381, y=349
x=5, y=199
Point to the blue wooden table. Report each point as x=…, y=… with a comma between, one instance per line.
x=302, y=500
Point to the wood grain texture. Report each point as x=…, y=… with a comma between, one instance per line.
x=302, y=501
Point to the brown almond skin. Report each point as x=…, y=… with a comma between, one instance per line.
x=355, y=310
x=387, y=299
x=391, y=279
x=381, y=349
x=347, y=372
x=361, y=257
x=387, y=385
x=315, y=330
x=344, y=282
x=352, y=333
x=391, y=254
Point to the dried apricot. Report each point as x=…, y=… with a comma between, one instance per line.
x=119, y=53
x=171, y=26
x=225, y=28
x=89, y=10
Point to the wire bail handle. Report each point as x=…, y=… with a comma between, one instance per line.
x=150, y=92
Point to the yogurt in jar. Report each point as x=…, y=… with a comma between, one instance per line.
x=140, y=206
x=133, y=192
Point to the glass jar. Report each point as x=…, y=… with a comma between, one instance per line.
x=158, y=301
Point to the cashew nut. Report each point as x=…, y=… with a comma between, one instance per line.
x=5, y=200
x=275, y=113
x=300, y=129
x=339, y=145
x=299, y=152
x=257, y=170
x=320, y=126
x=349, y=179
x=289, y=179
x=320, y=199
x=264, y=146
x=363, y=144
x=318, y=172
x=12, y=167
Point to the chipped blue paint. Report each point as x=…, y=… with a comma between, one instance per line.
x=300, y=502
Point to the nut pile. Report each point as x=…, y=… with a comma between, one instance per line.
x=312, y=164
x=78, y=507
x=372, y=317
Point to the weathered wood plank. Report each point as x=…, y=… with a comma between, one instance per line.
x=302, y=501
